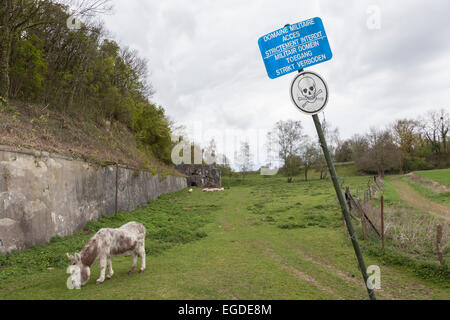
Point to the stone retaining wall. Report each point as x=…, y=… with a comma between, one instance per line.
x=44, y=195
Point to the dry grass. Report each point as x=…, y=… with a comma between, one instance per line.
x=77, y=135
x=415, y=233
x=412, y=232
x=429, y=184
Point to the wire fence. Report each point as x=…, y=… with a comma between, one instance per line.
x=411, y=233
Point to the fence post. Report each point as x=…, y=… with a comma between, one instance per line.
x=382, y=222
x=440, y=256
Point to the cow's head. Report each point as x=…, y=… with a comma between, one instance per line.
x=85, y=271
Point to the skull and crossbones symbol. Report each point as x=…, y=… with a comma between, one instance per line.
x=309, y=91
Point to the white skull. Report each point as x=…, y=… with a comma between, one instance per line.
x=307, y=87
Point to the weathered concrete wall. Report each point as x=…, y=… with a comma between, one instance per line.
x=201, y=176
x=44, y=195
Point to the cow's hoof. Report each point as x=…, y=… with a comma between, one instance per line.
x=130, y=272
x=99, y=282
x=141, y=271
x=108, y=277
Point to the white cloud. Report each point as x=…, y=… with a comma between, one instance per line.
x=206, y=66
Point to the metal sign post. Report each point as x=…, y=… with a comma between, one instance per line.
x=345, y=212
x=293, y=48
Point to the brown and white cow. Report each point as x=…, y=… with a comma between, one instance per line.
x=126, y=240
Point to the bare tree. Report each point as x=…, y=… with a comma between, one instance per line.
x=289, y=137
x=210, y=154
x=332, y=136
x=431, y=127
x=444, y=125
x=223, y=163
x=244, y=159
x=376, y=152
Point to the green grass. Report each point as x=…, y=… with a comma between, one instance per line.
x=169, y=221
x=441, y=176
x=391, y=197
x=440, y=197
x=261, y=239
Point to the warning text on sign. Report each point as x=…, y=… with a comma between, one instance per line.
x=295, y=47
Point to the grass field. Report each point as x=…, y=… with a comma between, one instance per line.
x=261, y=239
x=441, y=176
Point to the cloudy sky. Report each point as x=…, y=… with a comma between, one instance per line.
x=391, y=59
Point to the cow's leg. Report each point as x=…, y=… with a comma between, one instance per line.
x=133, y=267
x=103, y=261
x=110, y=269
x=142, y=255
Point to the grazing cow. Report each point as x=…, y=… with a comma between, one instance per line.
x=126, y=240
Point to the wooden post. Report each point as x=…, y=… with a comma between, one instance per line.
x=364, y=227
x=440, y=256
x=382, y=222
x=347, y=197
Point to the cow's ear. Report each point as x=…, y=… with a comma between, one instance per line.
x=71, y=257
x=77, y=257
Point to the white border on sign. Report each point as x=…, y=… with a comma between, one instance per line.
x=292, y=91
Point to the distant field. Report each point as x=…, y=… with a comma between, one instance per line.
x=441, y=176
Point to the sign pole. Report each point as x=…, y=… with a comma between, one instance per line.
x=295, y=47
x=348, y=220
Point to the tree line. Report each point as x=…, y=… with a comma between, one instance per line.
x=80, y=71
x=403, y=146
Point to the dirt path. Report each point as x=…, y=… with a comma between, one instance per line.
x=418, y=201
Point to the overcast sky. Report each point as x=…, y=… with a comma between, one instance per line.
x=209, y=75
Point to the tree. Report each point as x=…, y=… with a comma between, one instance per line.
x=406, y=136
x=223, y=163
x=444, y=124
x=344, y=152
x=244, y=159
x=310, y=156
x=321, y=166
x=332, y=137
x=376, y=152
x=431, y=126
x=210, y=154
x=18, y=16
x=152, y=131
x=289, y=137
x=360, y=149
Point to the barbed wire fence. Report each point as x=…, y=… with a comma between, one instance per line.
x=372, y=218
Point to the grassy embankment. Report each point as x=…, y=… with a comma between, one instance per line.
x=78, y=135
x=261, y=239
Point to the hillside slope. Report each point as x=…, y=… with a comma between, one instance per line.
x=76, y=135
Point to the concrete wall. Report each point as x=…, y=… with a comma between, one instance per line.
x=44, y=195
x=201, y=176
